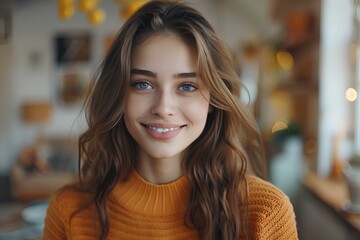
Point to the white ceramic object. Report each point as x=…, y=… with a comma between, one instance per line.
x=352, y=176
x=35, y=213
x=350, y=208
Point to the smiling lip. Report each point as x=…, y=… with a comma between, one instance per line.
x=163, y=132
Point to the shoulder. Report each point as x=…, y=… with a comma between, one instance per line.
x=71, y=196
x=261, y=191
x=65, y=207
x=270, y=212
x=67, y=201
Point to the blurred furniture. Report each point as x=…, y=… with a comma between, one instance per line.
x=14, y=223
x=46, y=164
x=36, y=112
x=37, y=186
x=30, y=183
x=320, y=210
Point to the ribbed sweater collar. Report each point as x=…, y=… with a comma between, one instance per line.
x=138, y=196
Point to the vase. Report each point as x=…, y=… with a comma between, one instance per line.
x=352, y=177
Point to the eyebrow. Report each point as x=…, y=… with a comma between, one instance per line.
x=143, y=72
x=152, y=74
x=186, y=75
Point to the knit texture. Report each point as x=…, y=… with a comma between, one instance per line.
x=143, y=211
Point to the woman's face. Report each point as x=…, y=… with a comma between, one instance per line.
x=167, y=105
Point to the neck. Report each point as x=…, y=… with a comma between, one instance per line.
x=159, y=171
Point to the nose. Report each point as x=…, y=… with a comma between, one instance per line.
x=164, y=104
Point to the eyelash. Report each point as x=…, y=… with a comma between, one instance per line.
x=193, y=86
x=137, y=85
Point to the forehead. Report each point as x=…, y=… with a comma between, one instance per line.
x=164, y=50
x=151, y=36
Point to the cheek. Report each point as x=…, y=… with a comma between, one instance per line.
x=198, y=110
x=133, y=108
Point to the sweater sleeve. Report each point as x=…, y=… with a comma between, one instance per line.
x=55, y=222
x=271, y=214
x=279, y=224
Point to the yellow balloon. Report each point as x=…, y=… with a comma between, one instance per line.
x=96, y=16
x=65, y=3
x=87, y=5
x=66, y=12
x=131, y=8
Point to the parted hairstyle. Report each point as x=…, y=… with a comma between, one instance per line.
x=215, y=163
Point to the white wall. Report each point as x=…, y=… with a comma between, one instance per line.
x=336, y=29
x=242, y=20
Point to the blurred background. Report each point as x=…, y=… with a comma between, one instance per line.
x=299, y=61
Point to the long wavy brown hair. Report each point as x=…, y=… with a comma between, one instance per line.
x=215, y=164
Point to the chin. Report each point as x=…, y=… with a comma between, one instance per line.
x=164, y=154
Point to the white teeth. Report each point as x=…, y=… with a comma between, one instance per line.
x=163, y=130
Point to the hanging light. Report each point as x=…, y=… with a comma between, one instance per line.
x=66, y=9
x=87, y=5
x=62, y=3
x=96, y=16
x=131, y=7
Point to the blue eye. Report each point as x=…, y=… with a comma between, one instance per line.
x=187, y=88
x=142, y=85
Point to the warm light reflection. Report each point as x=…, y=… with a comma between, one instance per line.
x=285, y=59
x=310, y=146
x=351, y=94
x=280, y=124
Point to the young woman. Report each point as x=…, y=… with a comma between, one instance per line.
x=167, y=150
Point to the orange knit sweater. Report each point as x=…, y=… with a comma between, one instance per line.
x=143, y=211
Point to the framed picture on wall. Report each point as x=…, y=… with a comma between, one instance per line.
x=5, y=24
x=72, y=53
x=73, y=86
x=72, y=47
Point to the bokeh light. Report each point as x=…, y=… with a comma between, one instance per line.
x=285, y=59
x=279, y=125
x=351, y=94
